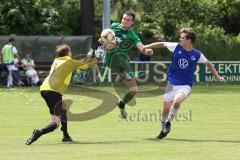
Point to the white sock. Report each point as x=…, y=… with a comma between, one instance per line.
x=163, y=120
x=172, y=113
x=35, y=79
x=10, y=79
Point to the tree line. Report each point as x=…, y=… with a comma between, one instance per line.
x=217, y=22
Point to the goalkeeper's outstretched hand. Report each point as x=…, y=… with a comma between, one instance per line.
x=98, y=53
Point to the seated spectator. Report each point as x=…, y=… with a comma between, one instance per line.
x=15, y=72
x=28, y=65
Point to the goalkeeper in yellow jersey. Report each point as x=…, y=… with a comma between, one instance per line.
x=54, y=86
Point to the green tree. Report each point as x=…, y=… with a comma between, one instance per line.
x=36, y=17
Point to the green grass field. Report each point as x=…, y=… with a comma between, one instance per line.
x=207, y=127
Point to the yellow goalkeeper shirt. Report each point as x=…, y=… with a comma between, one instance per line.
x=61, y=73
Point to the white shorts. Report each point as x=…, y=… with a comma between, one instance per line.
x=31, y=72
x=172, y=90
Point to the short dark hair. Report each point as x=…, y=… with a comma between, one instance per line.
x=190, y=33
x=62, y=50
x=11, y=39
x=130, y=13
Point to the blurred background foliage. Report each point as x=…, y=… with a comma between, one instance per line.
x=217, y=22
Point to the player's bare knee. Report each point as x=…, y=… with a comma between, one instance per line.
x=176, y=104
x=56, y=119
x=134, y=90
x=133, y=93
x=58, y=123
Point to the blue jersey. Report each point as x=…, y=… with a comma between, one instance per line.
x=184, y=64
x=143, y=57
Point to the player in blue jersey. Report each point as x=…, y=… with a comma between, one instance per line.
x=180, y=77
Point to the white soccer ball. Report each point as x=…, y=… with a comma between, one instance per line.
x=108, y=36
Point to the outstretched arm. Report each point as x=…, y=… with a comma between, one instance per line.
x=213, y=70
x=156, y=45
x=84, y=63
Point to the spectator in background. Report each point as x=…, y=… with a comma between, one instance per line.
x=15, y=72
x=142, y=66
x=9, y=51
x=28, y=65
x=143, y=57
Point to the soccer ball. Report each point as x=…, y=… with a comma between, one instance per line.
x=108, y=36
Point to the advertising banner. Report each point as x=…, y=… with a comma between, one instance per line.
x=156, y=71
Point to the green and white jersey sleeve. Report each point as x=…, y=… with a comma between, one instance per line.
x=126, y=39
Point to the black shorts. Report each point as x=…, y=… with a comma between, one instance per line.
x=54, y=101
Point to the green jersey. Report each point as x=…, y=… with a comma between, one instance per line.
x=27, y=62
x=8, y=55
x=125, y=40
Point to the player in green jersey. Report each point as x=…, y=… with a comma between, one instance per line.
x=117, y=56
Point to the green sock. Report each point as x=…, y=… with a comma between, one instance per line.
x=121, y=105
x=172, y=113
x=127, y=97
